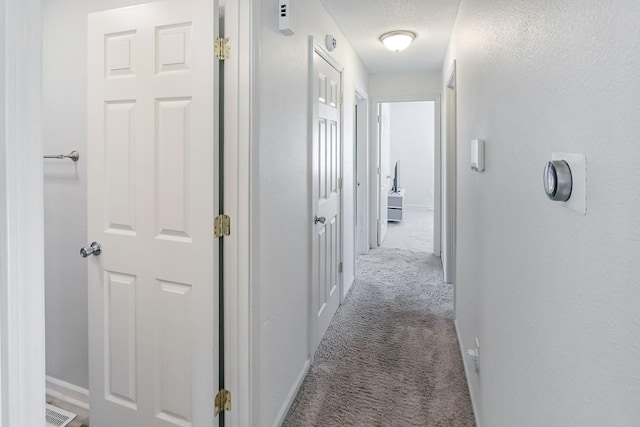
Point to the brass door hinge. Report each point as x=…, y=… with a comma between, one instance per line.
x=340, y=268
x=222, y=48
x=222, y=226
x=223, y=402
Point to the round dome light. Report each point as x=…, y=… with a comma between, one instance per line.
x=397, y=40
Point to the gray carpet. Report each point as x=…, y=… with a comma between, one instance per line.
x=390, y=357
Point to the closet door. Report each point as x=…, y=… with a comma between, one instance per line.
x=153, y=195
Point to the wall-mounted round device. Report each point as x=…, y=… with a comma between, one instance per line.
x=331, y=43
x=557, y=180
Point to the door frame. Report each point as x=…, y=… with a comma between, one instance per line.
x=22, y=328
x=316, y=47
x=382, y=211
x=449, y=166
x=374, y=164
x=22, y=340
x=241, y=23
x=362, y=171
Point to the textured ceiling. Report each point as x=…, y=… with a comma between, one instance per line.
x=363, y=21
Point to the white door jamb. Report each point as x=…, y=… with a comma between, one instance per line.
x=22, y=340
x=361, y=181
x=449, y=164
x=240, y=127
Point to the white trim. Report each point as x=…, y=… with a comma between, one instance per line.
x=448, y=183
x=474, y=406
x=4, y=280
x=351, y=281
x=361, y=157
x=22, y=338
x=253, y=154
x=238, y=127
x=310, y=111
x=73, y=394
x=451, y=82
x=293, y=392
x=317, y=48
x=360, y=93
x=437, y=179
x=374, y=166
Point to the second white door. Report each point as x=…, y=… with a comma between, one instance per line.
x=326, y=160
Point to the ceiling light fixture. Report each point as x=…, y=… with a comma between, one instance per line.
x=397, y=40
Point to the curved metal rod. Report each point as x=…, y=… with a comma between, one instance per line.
x=74, y=155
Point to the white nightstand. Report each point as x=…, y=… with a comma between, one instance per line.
x=395, y=205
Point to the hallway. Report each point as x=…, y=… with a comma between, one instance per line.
x=549, y=289
x=390, y=356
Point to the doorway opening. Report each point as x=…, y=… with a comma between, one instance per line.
x=407, y=178
x=398, y=162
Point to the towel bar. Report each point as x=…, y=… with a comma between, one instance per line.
x=74, y=155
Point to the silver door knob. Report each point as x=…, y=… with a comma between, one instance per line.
x=319, y=219
x=94, y=249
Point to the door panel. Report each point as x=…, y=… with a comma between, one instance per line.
x=153, y=194
x=327, y=149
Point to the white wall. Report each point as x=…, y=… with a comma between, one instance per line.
x=552, y=295
x=412, y=134
x=401, y=85
x=65, y=188
x=281, y=213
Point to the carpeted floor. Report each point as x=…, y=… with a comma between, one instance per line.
x=414, y=232
x=390, y=356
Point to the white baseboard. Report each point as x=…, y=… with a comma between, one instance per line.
x=348, y=288
x=466, y=371
x=292, y=394
x=69, y=393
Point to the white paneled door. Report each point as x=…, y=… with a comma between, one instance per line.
x=153, y=194
x=326, y=159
